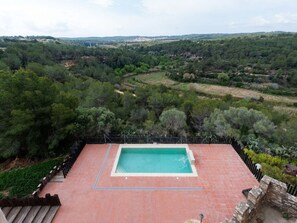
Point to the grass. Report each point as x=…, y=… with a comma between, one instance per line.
x=240, y=93
x=23, y=181
x=159, y=78
x=156, y=78
x=292, y=111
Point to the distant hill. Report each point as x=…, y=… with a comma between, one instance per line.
x=28, y=39
x=113, y=40
x=119, y=39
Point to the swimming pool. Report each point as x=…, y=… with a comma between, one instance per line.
x=153, y=160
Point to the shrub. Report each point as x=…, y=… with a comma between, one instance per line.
x=23, y=181
x=271, y=166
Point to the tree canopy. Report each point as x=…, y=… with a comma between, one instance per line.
x=173, y=121
x=35, y=116
x=239, y=123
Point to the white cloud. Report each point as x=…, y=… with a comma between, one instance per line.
x=259, y=21
x=180, y=7
x=281, y=19
x=147, y=17
x=286, y=18
x=103, y=3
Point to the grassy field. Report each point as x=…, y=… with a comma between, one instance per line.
x=159, y=78
x=23, y=181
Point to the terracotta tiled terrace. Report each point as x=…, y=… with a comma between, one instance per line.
x=89, y=194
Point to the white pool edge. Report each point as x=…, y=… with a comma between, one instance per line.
x=121, y=146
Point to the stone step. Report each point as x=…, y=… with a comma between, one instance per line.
x=13, y=213
x=6, y=211
x=50, y=214
x=22, y=214
x=41, y=214
x=32, y=214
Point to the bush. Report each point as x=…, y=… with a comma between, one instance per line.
x=23, y=181
x=272, y=166
x=277, y=173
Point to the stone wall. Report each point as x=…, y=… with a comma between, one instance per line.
x=277, y=196
x=270, y=192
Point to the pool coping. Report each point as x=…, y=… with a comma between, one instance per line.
x=155, y=145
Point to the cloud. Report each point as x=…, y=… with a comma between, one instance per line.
x=260, y=21
x=181, y=7
x=103, y=3
x=144, y=17
x=280, y=19
x=286, y=18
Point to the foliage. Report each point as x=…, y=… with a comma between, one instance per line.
x=158, y=101
x=94, y=122
x=223, y=77
x=43, y=84
x=289, y=153
x=174, y=121
x=272, y=166
x=99, y=94
x=35, y=117
x=22, y=182
x=239, y=123
x=242, y=60
x=286, y=133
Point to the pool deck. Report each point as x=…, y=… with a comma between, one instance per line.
x=89, y=194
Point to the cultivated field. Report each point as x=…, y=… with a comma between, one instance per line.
x=159, y=78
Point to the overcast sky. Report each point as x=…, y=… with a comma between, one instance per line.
x=73, y=18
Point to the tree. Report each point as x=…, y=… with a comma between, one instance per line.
x=286, y=133
x=174, y=121
x=128, y=102
x=159, y=101
x=239, y=123
x=35, y=117
x=100, y=95
x=56, y=72
x=12, y=61
x=203, y=109
x=223, y=77
x=94, y=122
x=138, y=116
x=3, y=66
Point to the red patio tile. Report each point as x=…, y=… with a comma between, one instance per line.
x=222, y=176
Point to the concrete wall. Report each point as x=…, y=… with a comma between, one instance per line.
x=272, y=193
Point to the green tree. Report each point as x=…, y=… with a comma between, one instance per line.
x=159, y=101
x=129, y=103
x=33, y=113
x=100, y=95
x=138, y=116
x=173, y=121
x=286, y=133
x=3, y=66
x=239, y=123
x=94, y=122
x=56, y=72
x=13, y=61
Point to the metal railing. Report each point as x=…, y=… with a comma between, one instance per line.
x=122, y=139
x=75, y=150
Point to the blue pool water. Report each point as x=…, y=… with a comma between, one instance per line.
x=153, y=160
